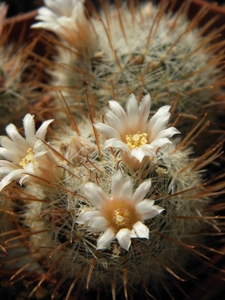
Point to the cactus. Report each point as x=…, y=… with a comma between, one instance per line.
x=115, y=200
x=137, y=50
x=110, y=219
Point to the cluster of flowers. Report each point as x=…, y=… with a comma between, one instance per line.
x=122, y=214
x=117, y=191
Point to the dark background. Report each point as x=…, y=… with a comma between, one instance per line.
x=21, y=6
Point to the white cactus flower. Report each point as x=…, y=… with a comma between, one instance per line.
x=58, y=14
x=67, y=19
x=132, y=132
x=22, y=155
x=120, y=215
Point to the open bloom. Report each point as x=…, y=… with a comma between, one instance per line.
x=120, y=215
x=132, y=132
x=22, y=155
x=58, y=14
x=67, y=19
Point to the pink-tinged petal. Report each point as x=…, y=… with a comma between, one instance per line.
x=144, y=109
x=105, y=240
x=85, y=217
x=160, y=142
x=138, y=153
x=24, y=178
x=51, y=26
x=94, y=194
x=29, y=129
x=116, y=184
x=7, y=164
x=112, y=120
x=144, y=206
x=126, y=190
x=29, y=170
x=38, y=153
x=16, y=174
x=44, y=13
x=141, y=191
x=98, y=223
x=116, y=143
x=41, y=132
x=12, y=147
x=168, y=132
x=147, y=210
x=132, y=112
x=4, y=171
x=123, y=237
x=107, y=130
x=16, y=137
x=141, y=230
x=149, y=149
x=162, y=111
x=159, y=121
x=119, y=111
x=153, y=213
x=9, y=155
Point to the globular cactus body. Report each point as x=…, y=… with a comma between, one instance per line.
x=116, y=200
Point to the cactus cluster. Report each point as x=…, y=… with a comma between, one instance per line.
x=115, y=200
x=126, y=50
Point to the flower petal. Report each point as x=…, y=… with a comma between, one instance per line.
x=138, y=153
x=13, y=133
x=147, y=210
x=141, y=230
x=116, y=143
x=144, y=109
x=29, y=129
x=141, y=191
x=98, y=224
x=94, y=194
x=41, y=132
x=107, y=130
x=6, y=167
x=168, y=132
x=160, y=142
x=9, y=145
x=132, y=113
x=105, y=240
x=117, y=184
x=16, y=174
x=85, y=217
x=11, y=156
x=126, y=189
x=113, y=121
x=144, y=205
x=159, y=120
x=123, y=237
x=119, y=111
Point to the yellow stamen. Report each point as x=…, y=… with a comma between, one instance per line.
x=136, y=140
x=120, y=214
x=121, y=218
x=29, y=158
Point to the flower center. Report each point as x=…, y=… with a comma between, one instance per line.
x=120, y=214
x=121, y=217
x=136, y=140
x=29, y=158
